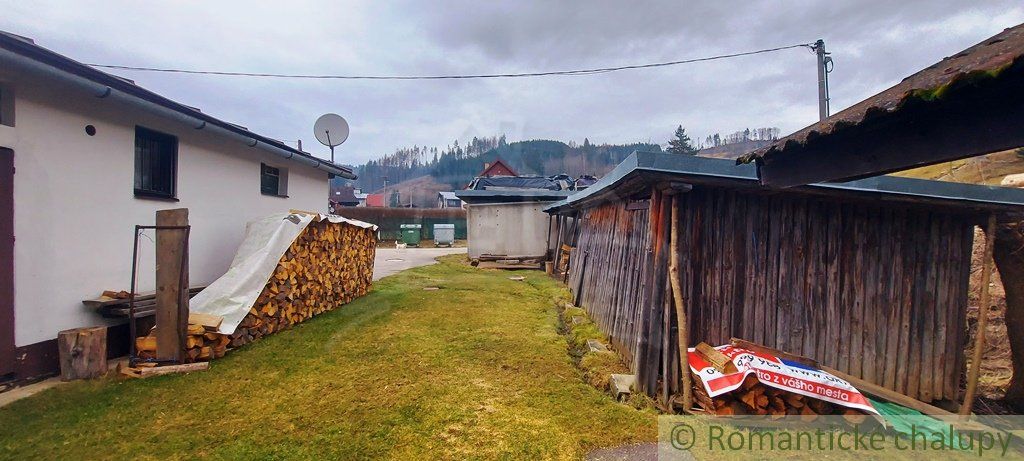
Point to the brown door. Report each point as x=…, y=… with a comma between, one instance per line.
x=6, y=261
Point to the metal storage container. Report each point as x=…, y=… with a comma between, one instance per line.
x=444, y=234
x=411, y=234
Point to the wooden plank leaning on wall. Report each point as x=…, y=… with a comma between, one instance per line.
x=171, y=284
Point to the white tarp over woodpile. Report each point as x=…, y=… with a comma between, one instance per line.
x=266, y=241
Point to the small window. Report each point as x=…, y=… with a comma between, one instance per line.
x=156, y=164
x=6, y=105
x=273, y=180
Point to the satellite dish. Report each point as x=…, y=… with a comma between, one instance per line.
x=331, y=130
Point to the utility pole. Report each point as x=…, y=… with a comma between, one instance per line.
x=823, y=61
x=385, y=191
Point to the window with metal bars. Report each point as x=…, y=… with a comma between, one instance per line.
x=273, y=180
x=156, y=164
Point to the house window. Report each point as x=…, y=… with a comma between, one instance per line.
x=273, y=180
x=156, y=164
x=6, y=105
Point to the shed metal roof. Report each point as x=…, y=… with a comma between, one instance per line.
x=645, y=167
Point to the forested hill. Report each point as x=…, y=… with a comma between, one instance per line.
x=457, y=165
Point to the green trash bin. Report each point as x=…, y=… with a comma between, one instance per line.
x=411, y=234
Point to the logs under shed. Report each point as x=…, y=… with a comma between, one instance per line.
x=868, y=277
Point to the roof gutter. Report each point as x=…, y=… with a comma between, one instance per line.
x=197, y=120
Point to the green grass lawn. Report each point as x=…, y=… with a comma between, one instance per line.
x=476, y=369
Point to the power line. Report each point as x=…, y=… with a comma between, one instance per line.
x=574, y=72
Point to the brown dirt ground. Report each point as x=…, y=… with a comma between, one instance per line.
x=995, y=365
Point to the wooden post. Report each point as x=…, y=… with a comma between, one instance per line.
x=171, y=285
x=979, y=339
x=677, y=297
x=83, y=353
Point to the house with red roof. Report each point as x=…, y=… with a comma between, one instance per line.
x=498, y=168
x=375, y=200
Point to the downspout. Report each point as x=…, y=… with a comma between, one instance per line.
x=101, y=91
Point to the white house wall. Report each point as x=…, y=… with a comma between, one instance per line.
x=75, y=208
x=518, y=229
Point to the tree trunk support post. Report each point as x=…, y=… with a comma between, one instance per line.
x=979, y=339
x=677, y=296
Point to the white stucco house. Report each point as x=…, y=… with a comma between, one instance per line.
x=84, y=157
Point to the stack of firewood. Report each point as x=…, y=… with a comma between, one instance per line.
x=328, y=264
x=754, y=398
x=202, y=344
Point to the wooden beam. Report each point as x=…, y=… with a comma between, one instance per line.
x=674, y=187
x=886, y=394
x=979, y=338
x=720, y=361
x=966, y=123
x=146, y=372
x=677, y=297
x=578, y=293
x=171, y=280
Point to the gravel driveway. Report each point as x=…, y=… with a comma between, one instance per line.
x=392, y=260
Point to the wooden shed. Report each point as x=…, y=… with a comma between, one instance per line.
x=869, y=277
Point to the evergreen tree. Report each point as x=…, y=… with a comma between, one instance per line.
x=681, y=144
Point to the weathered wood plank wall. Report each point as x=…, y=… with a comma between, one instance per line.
x=874, y=290
x=614, y=242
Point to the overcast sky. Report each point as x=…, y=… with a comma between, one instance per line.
x=874, y=45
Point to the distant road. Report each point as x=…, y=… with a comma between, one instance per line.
x=393, y=260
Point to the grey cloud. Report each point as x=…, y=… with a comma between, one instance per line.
x=875, y=44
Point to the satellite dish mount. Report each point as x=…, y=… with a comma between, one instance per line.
x=331, y=130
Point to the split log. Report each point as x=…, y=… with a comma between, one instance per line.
x=116, y=294
x=208, y=321
x=201, y=344
x=717, y=359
